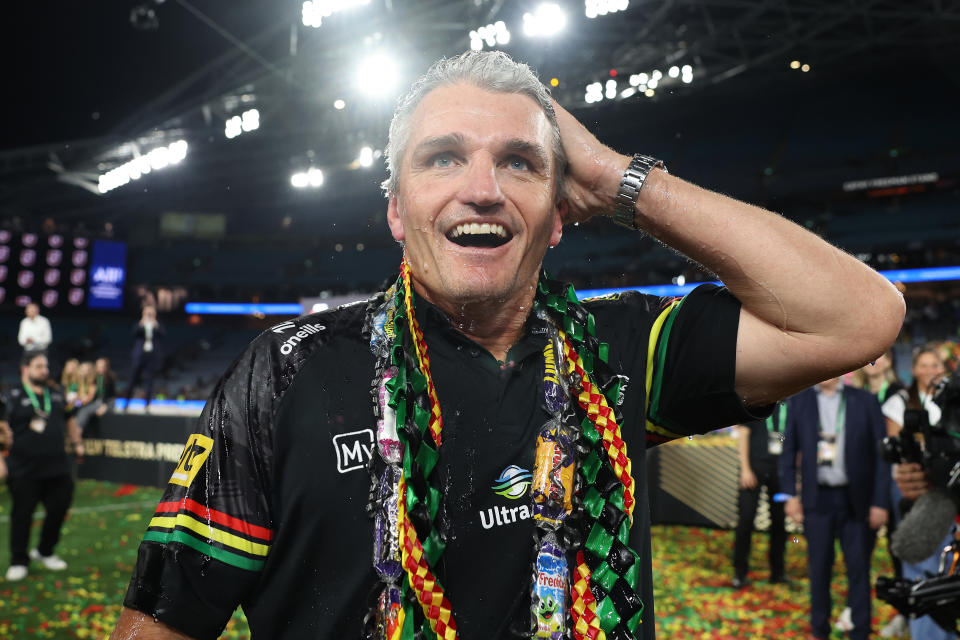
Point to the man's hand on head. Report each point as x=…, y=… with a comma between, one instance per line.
x=594, y=170
x=911, y=479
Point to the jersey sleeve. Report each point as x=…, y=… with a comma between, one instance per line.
x=691, y=366
x=209, y=538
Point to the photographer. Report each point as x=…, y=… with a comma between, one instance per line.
x=912, y=480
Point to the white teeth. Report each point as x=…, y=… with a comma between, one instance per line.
x=474, y=228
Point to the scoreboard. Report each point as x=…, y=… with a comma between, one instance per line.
x=52, y=270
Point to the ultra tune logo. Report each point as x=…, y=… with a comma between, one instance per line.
x=513, y=482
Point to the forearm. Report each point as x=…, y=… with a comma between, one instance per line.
x=134, y=624
x=816, y=296
x=743, y=446
x=73, y=432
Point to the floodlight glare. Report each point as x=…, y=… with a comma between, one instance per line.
x=339, y=104
x=365, y=159
x=491, y=35
x=594, y=8
x=250, y=120
x=315, y=11
x=652, y=84
x=233, y=127
x=299, y=180
x=686, y=69
x=377, y=74
x=315, y=177
x=674, y=71
x=158, y=158
x=629, y=91
x=547, y=20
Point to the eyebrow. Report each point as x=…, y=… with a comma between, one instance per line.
x=434, y=143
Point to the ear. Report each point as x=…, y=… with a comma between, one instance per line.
x=559, y=213
x=393, y=219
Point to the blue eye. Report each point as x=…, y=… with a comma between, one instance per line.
x=519, y=164
x=442, y=160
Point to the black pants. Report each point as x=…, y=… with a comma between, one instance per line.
x=55, y=493
x=143, y=368
x=747, y=511
x=831, y=518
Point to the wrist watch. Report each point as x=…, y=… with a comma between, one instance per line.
x=624, y=211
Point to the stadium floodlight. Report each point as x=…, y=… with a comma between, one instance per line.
x=491, y=34
x=594, y=8
x=628, y=92
x=594, y=93
x=547, y=20
x=233, y=127
x=314, y=11
x=312, y=177
x=365, y=159
x=611, y=92
x=653, y=82
x=156, y=159
x=674, y=71
x=250, y=120
x=339, y=104
x=299, y=180
x=377, y=74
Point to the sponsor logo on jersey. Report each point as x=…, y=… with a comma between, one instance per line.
x=304, y=332
x=194, y=455
x=353, y=449
x=513, y=483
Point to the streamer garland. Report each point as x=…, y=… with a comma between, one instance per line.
x=405, y=499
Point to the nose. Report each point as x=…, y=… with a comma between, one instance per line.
x=481, y=187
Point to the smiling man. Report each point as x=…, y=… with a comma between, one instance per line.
x=463, y=455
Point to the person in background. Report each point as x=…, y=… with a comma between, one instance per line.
x=880, y=379
x=6, y=440
x=104, y=385
x=70, y=380
x=927, y=369
x=845, y=491
x=39, y=469
x=35, y=333
x=759, y=444
x=147, y=354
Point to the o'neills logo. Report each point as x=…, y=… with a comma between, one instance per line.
x=305, y=331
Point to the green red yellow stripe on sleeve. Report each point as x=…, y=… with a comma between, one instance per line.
x=656, y=357
x=211, y=532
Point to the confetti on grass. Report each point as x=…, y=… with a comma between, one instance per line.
x=691, y=567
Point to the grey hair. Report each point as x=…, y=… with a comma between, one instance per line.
x=488, y=70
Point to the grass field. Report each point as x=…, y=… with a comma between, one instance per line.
x=691, y=571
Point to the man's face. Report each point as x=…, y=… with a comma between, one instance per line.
x=475, y=205
x=37, y=371
x=32, y=310
x=102, y=366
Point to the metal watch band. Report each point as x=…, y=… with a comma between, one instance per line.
x=624, y=212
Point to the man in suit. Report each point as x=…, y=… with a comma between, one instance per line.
x=147, y=354
x=835, y=431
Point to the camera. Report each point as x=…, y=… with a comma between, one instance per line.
x=927, y=521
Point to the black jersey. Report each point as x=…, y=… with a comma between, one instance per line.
x=266, y=508
x=39, y=437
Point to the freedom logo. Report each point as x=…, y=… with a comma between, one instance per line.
x=513, y=482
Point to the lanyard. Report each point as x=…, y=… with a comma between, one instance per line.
x=99, y=386
x=882, y=394
x=781, y=421
x=35, y=402
x=841, y=414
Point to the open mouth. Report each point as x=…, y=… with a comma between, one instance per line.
x=485, y=235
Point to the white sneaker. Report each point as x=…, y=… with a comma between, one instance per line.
x=898, y=627
x=845, y=621
x=16, y=572
x=53, y=563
